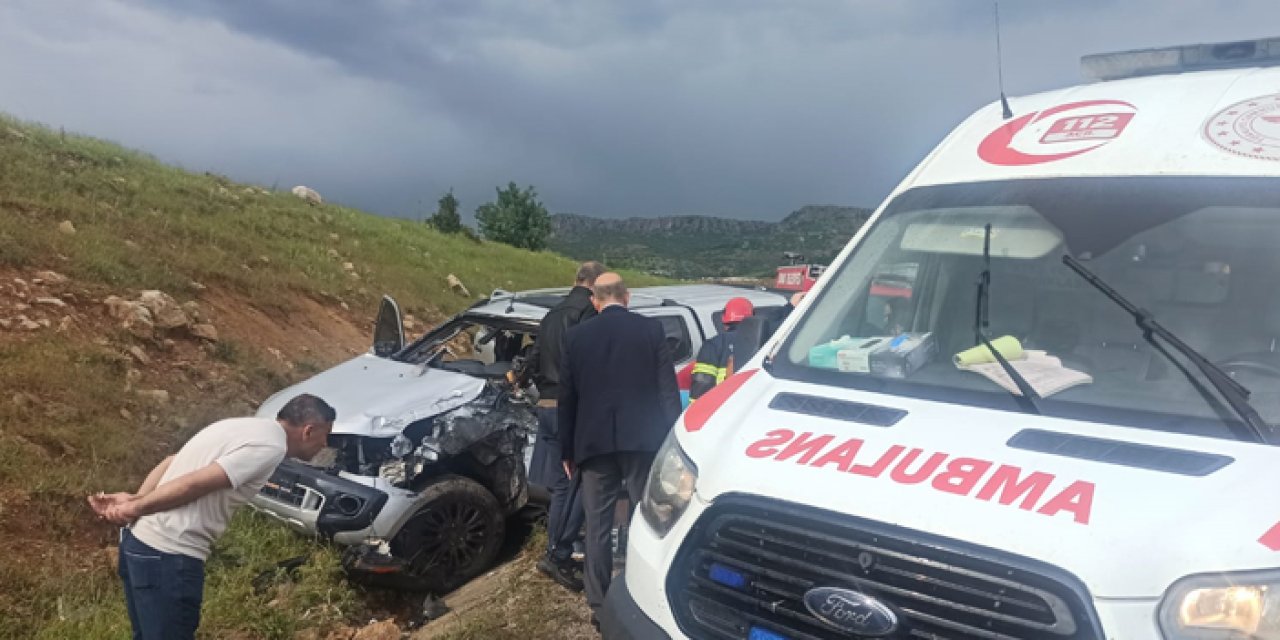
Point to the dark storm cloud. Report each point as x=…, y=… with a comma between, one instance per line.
x=748, y=108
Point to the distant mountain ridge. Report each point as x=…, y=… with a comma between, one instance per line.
x=568, y=223
x=692, y=246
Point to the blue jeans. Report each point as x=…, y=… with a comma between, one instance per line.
x=163, y=590
x=564, y=514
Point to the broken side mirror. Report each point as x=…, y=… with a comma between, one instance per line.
x=388, y=332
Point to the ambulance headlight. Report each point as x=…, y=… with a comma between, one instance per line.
x=670, y=487
x=1223, y=607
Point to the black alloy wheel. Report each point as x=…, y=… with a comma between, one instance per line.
x=453, y=537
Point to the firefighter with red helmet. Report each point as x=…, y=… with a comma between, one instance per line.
x=715, y=358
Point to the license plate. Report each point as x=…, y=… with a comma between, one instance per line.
x=758, y=633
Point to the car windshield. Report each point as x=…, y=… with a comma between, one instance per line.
x=473, y=344
x=1199, y=254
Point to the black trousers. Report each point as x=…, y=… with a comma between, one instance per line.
x=603, y=479
x=564, y=514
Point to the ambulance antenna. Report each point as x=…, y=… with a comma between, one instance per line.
x=1004, y=102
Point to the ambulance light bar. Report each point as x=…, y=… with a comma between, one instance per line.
x=1194, y=57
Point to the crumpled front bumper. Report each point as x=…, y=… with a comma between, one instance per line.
x=312, y=501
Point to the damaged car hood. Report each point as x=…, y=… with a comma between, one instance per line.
x=379, y=397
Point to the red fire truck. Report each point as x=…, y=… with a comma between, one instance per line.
x=798, y=277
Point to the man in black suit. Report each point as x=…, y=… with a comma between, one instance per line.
x=618, y=399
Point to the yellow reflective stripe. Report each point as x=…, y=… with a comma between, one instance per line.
x=704, y=368
x=721, y=374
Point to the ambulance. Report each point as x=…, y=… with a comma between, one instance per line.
x=1069, y=431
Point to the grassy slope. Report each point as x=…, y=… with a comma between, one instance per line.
x=210, y=230
x=68, y=428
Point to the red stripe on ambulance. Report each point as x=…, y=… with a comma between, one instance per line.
x=1271, y=539
x=982, y=479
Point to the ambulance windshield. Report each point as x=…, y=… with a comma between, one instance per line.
x=1199, y=254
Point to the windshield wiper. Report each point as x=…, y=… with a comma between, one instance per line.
x=1236, y=394
x=1028, y=399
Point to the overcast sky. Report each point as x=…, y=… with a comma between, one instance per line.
x=742, y=108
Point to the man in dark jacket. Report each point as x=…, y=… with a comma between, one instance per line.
x=575, y=308
x=618, y=400
x=564, y=514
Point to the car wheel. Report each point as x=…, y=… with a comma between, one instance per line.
x=453, y=537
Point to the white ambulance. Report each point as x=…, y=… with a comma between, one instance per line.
x=876, y=471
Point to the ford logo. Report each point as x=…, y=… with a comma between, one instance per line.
x=851, y=611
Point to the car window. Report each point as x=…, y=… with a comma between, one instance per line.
x=678, y=340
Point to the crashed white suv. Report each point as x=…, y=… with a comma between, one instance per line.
x=431, y=449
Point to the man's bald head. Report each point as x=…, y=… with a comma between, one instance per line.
x=610, y=289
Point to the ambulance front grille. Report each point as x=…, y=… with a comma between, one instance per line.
x=745, y=568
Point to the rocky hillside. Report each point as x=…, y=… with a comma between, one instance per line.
x=702, y=246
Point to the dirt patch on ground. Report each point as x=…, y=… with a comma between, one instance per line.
x=513, y=602
x=313, y=330
x=469, y=601
x=51, y=521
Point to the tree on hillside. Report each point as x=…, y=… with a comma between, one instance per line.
x=446, y=218
x=516, y=218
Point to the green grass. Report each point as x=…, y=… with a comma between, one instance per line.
x=66, y=422
x=90, y=604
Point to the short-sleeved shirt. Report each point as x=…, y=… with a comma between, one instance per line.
x=248, y=450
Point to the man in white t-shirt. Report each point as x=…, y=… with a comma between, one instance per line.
x=186, y=502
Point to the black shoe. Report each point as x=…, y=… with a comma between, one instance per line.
x=562, y=573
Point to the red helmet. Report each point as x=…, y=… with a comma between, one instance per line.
x=736, y=310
